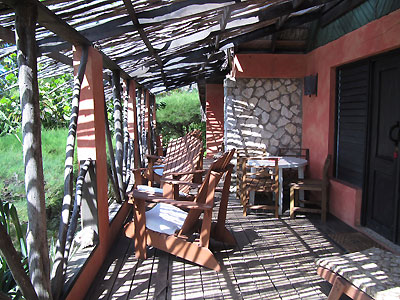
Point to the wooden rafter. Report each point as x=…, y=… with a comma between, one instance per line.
x=226, y=14
x=52, y=22
x=279, y=23
x=339, y=10
x=142, y=33
x=8, y=36
x=174, y=40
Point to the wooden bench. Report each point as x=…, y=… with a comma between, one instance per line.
x=369, y=274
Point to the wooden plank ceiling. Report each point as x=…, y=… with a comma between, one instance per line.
x=165, y=44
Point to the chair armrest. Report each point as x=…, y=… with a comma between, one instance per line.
x=142, y=196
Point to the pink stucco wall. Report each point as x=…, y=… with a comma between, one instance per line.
x=376, y=37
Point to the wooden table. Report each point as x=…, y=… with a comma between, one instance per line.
x=284, y=162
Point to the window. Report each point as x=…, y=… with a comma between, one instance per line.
x=351, y=123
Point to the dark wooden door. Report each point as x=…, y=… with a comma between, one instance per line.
x=383, y=166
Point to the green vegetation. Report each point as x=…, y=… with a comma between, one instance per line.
x=16, y=230
x=55, y=98
x=178, y=113
x=12, y=187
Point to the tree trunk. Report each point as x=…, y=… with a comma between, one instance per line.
x=118, y=130
x=38, y=254
x=114, y=176
x=14, y=263
x=77, y=206
x=60, y=261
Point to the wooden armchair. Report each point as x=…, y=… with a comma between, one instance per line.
x=263, y=178
x=168, y=227
x=183, y=161
x=318, y=185
x=241, y=155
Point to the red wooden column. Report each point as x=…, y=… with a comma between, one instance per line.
x=91, y=131
x=215, y=118
x=92, y=144
x=133, y=122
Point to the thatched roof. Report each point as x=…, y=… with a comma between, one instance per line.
x=165, y=44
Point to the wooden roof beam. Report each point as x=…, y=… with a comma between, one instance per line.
x=52, y=22
x=142, y=33
x=279, y=23
x=8, y=36
x=339, y=10
x=226, y=14
x=262, y=32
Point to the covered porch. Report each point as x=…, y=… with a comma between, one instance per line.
x=117, y=49
x=274, y=259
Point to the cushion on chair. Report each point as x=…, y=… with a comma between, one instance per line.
x=155, y=190
x=165, y=218
x=374, y=271
x=159, y=170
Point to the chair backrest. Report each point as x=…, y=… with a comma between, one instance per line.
x=325, y=171
x=184, y=154
x=206, y=191
x=295, y=152
x=260, y=178
x=250, y=151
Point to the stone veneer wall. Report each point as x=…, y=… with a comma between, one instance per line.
x=262, y=113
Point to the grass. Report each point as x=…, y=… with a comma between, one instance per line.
x=12, y=187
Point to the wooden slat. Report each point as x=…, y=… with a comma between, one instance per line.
x=274, y=259
x=52, y=22
x=112, y=266
x=142, y=33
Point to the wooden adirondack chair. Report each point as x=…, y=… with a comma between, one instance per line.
x=168, y=227
x=183, y=161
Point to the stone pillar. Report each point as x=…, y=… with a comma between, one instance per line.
x=263, y=113
x=215, y=118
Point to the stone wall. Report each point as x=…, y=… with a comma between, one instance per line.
x=262, y=113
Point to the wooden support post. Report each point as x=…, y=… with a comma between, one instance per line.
x=119, y=139
x=126, y=151
x=38, y=255
x=91, y=135
x=142, y=124
x=133, y=122
x=159, y=146
x=89, y=217
x=148, y=123
x=57, y=276
x=156, y=137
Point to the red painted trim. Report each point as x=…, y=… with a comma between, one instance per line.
x=215, y=118
x=269, y=66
